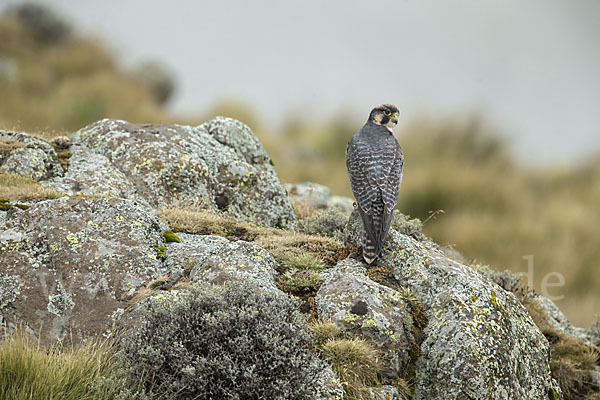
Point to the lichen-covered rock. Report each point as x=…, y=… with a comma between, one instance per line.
x=68, y=264
x=92, y=174
x=28, y=156
x=377, y=313
x=342, y=203
x=214, y=259
x=219, y=164
x=480, y=341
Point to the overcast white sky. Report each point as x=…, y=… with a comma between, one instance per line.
x=532, y=68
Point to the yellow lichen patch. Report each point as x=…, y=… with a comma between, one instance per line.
x=72, y=239
x=17, y=187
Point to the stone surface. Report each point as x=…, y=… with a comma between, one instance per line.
x=67, y=265
x=480, y=342
x=28, y=156
x=386, y=392
x=219, y=164
x=344, y=204
x=214, y=259
x=375, y=312
x=92, y=174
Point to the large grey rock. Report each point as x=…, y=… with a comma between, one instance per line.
x=67, y=265
x=310, y=193
x=363, y=307
x=214, y=259
x=28, y=156
x=219, y=164
x=480, y=341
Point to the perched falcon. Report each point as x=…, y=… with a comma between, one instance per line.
x=374, y=161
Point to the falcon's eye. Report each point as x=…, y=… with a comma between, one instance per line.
x=388, y=113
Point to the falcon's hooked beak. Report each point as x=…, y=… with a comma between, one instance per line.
x=393, y=121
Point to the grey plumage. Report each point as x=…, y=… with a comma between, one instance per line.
x=374, y=161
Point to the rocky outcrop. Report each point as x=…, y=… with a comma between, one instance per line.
x=219, y=164
x=214, y=259
x=480, y=341
x=71, y=267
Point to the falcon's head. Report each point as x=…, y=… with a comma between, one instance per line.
x=385, y=114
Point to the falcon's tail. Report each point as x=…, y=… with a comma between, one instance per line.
x=370, y=251
x=376, y=226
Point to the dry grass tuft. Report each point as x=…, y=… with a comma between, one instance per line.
x=324, y=330
x=17, y=187
x=28, y=371
x=355, y=363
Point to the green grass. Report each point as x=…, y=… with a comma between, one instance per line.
x=30, y=372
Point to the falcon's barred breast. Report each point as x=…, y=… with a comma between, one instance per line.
x=374, y=161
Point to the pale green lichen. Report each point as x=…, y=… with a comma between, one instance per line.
x=9, y=289
x=60, y=304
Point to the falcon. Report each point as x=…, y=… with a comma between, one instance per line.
x=374, y=162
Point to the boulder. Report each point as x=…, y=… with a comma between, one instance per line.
x=368, y=309
x=67, y=265
x=219, y=164
x=28, y=156
x=557, y=320
x=480, y=341
x=310, y=193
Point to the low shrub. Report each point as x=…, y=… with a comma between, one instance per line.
x=224, y=342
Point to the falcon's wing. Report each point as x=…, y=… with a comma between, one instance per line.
x=389, y=191
x=358, y=164
x=391, y=187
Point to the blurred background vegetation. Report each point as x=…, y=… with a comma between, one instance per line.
x=54, y=81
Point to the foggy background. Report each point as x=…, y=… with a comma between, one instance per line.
x=532, y=69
